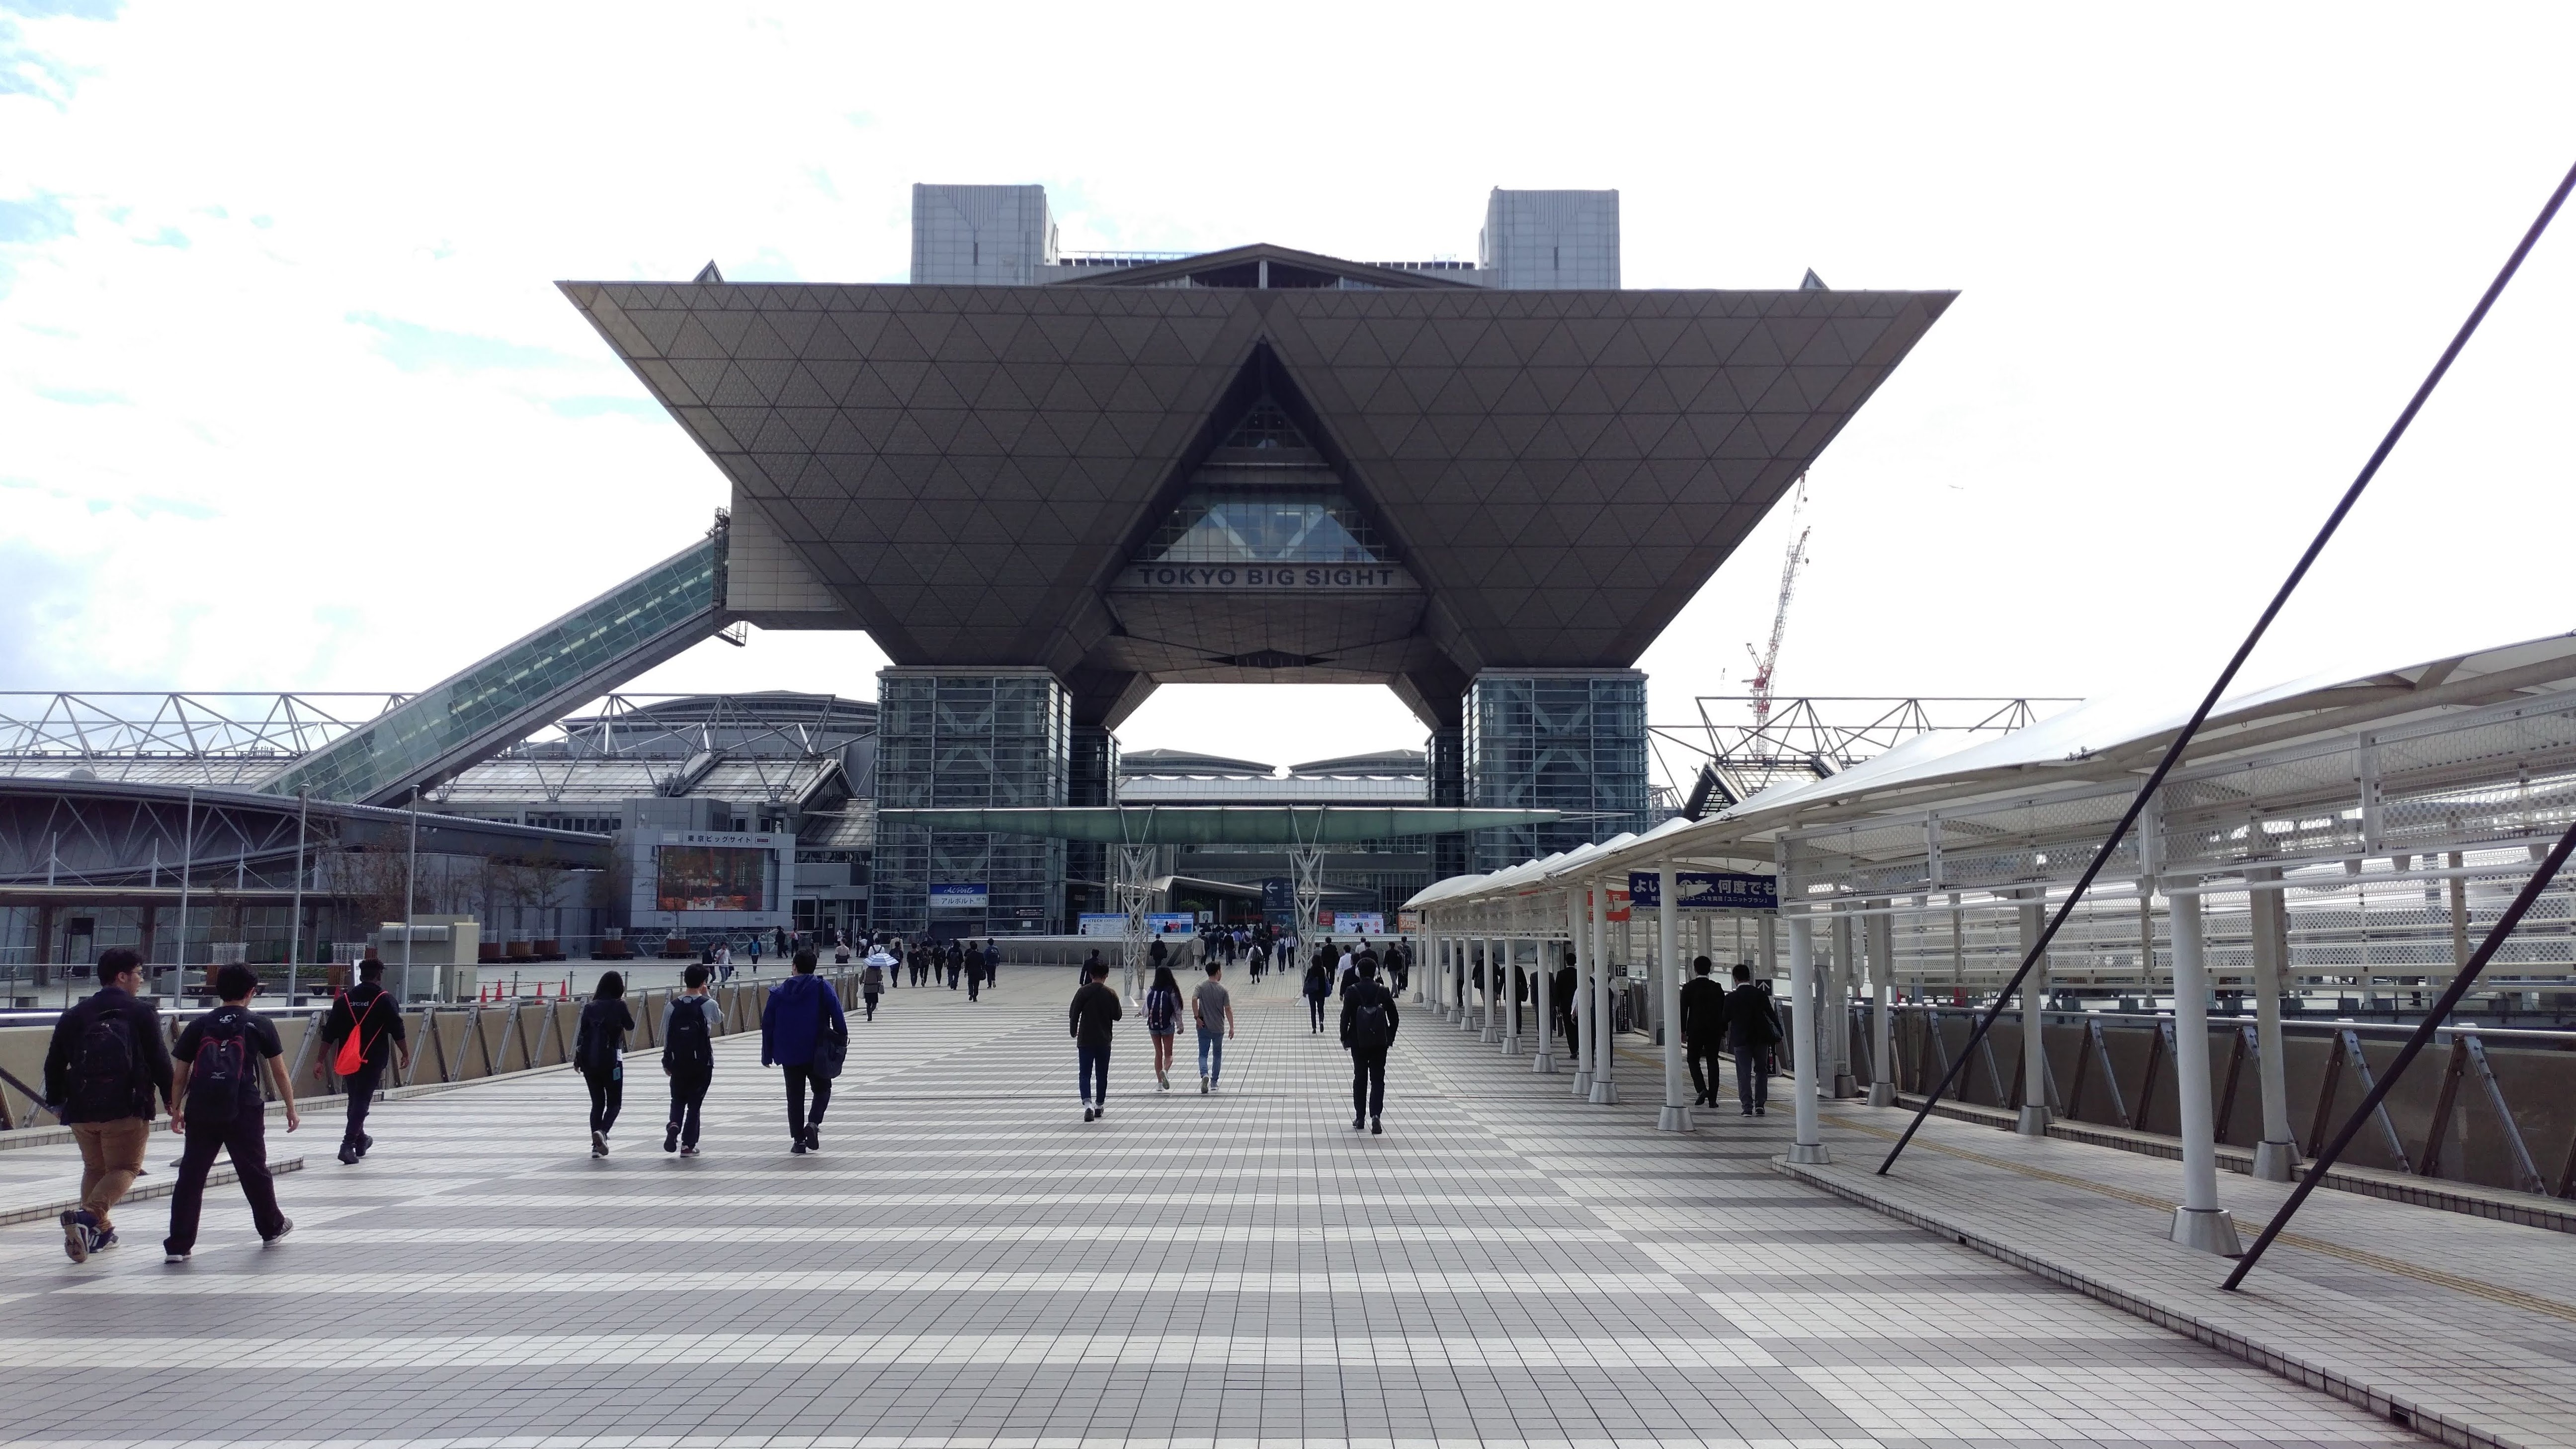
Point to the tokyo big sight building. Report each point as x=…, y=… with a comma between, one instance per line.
x=1046, y=483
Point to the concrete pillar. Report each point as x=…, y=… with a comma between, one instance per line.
x=1578, y=911
x=2276, y=1157
x=1676, y=1116
x=1882, y=991
x=1845, y=977
x=2199, y=1222
x=1809, y=1145
x=2034, y=1117
x=1602, y=1039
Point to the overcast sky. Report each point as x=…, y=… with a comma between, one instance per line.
x=288, y=399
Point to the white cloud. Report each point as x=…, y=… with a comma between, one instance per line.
x=349, y=435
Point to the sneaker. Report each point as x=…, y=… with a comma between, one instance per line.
x=172, y=1255
x=101, y=1242
x=1374, y=1129
x=689, y=1151
x=671, y=1138
x=1100, y=1111
x=598, y=1144
x=349, y=1153
x=1357, y=1121
x=796, y=1148
x=1088, y=1114
x=1203, y=1086
x=284, y=1226
x=77, y=1240
x=1761, y=1112
x=1748, y=1111
x=366, y=1144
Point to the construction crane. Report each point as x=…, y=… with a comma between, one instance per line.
x=1768, y=659
x=1712, y=787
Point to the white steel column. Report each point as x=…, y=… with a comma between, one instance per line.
x=1809, y=1145
x=1676, y=1116
x=2199, y=1222
x=1494, y=953
x=1542, y=1008
x=1882, y=1026
x=1579, y=912
x=2276, y=1157
x=2034, y=1117
x=1602, y=1038
x=1846, y=986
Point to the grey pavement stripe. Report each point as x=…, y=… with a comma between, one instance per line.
x=831, y=1280
x=990, y=1234
x=1178, y=1199
x=393, y=1354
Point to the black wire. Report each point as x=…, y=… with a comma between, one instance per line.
x=2227, y=676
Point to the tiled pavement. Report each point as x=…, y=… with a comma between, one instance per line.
x=967, y=1263
x=2464, y=1324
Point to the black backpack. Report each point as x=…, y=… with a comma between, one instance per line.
x=224, y=1075
x=595, y=1048
x=1369, y=1028
x=688, y=1042
x=104, y=1070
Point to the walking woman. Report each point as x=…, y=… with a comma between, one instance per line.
x=599, y=1054
x=1163, y=1022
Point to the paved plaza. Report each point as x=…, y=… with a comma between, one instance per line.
x=966, y=1263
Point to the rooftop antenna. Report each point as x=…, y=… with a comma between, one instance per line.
x=1765, y=661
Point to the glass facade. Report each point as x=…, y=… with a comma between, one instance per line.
x=1570, y=740
x=518, y=689
x=960, y=740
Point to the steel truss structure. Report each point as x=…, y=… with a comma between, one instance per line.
x=208, y=738
x=1812, y=737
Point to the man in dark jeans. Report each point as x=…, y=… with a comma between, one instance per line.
x=1091, y=1017
x=801, y=1013
x=1368, y=1029
x=103, y=1066
x=224, y=1051
x=1752, y=1030
x=1560, y=990
x=1703, y=1023
x=369, y=1010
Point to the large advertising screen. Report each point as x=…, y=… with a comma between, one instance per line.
x=709, y=878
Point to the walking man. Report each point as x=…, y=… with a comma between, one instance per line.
x=215, y=1104
x=873, y=979
x=1091, y=1017
x=1703, y=1024
x=804, y=1034
x=1752, y=1030
x=1368, y=1029
x=689, y=1027
x=1319, y=988
x=1215, y=1012
x=368, y=1012
x=103, y=1065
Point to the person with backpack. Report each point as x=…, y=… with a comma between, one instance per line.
x=365, y=1030
x=804, y=1035
x=974, y=960
x=599, y=1054
x=102, y=1067
x=1752, y=1034
x=992, y=964
x=1368, y=1028
x=215, y=1104
x=1703, y=1027
x=1090, y=1020
x=872, y=980
x=1214, y=1010
x=1163, y=1023
x=1319, y=988
x=689, y=1027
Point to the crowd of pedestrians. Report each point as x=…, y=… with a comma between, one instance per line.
x=108, y=1073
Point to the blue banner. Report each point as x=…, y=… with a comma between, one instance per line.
x=1707, y=890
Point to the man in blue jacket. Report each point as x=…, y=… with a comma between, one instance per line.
x=803, y=1032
